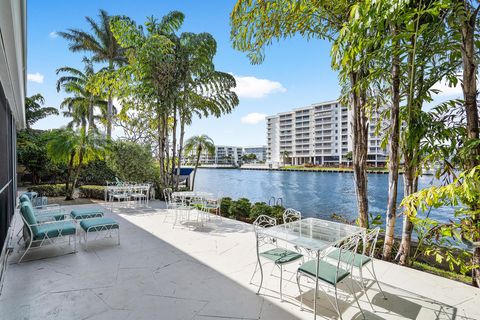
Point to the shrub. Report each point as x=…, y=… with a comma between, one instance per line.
x=132, y=161
x=260, y=208
x=92, y=192
x=277, y=213
x=240, y=208
x=96, y=172
x=49, y=190
x=225, y=205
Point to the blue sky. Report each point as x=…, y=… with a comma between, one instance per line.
x=296, y=72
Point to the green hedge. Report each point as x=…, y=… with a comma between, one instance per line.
x=49, y=190
x=240, y=209
x=92, y=192
x=243, y=210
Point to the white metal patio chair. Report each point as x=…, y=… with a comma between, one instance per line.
x=364, y=260
x=45, y=233
x=332, y=274
x=276, y=255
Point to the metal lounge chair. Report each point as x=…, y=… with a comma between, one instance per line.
x=45, y=233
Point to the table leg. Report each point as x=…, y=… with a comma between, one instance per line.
x=316, y=287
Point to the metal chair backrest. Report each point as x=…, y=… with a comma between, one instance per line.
x=346, y=254
x=291, y=215
x=370, y=242
x=261, y=222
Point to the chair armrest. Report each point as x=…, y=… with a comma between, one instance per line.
x=50, y=211
x=51, y=222
x=56, y=205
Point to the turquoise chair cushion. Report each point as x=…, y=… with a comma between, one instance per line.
x=359, y=260
x=53, y=230
x=327, y=271
x=24, y=198
x=27, y=212
x=86, y=214
x=97, y=224
x=280, y=255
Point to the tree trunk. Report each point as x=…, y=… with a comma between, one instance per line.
x=199, y=151
x=469, y=87
x=109, y=107
x=393, y=154
x=109, y=116
x=410, y=150
x=360, y=148
x=91, y=124
x=69, y=174
x=161, y=154
x=77, y=173
x=180, y=149
x=174, y=147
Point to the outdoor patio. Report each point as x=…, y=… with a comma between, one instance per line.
x=194, y=272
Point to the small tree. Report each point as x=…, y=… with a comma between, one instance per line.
x=131, y=161
x=74, y=148
x=198, y=144
x=35, y=111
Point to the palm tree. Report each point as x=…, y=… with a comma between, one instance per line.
x=285, y=155
x=198, y=144
x=34, y=110
x=205, y=91
x=80, y=106
x=104, y=48
x=74, y=148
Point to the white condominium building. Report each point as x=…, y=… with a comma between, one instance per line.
x=259, y=151
x=224, y=155
x=317, y=134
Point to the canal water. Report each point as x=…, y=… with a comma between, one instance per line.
x=315, y=194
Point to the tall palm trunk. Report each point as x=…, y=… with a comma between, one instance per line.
x=91, y=124
x=174, y=146
x=199, y=151
x=161, y=148
x=77, y=173
x=180, y=148
x=360, y=148
x=393, y=152
x=469, y=87
x=109, y=107
x=69, y=174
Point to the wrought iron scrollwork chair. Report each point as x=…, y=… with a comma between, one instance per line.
x=332, y=274
x=365, y=260
x=279, y=256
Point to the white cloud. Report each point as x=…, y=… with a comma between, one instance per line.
x=53, y=34
x=253, y=118
x=446, y=90
x=251, y=87
x=35, y=77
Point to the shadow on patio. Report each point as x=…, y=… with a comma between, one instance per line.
x=186, y=272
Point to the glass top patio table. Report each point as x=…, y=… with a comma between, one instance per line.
x=312, y=233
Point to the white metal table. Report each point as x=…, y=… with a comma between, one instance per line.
x=312, y=234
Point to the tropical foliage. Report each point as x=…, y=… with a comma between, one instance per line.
x=103, y=47
x=131, y=161
x=198, y=145
x=390, y=55
x=34, y=110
